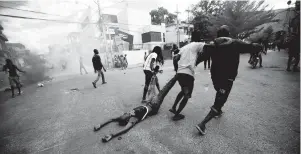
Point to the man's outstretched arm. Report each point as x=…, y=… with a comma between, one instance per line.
x=132, y=122
x=19, y=70
x=204, y=54
x=247, y=47
x=97, y=128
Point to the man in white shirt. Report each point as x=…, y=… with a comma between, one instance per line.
x=185, y=75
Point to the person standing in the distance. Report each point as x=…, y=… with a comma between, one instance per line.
x=207, y=61
x=13, y=76
x=148, y=68
x=186, y=60
x=98, y=68
x=225, y=53
x=294, y=52
x=175, y=50
x=125, y=61
x=82, y=65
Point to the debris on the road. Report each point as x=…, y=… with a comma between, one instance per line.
x=119, y=138
x=74, y=89
x=40, y=85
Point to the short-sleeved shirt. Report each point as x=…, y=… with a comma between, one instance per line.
x=148, y=61
x=12, y=71
x=188, y=57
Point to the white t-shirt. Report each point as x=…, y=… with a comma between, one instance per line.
x=148, y=61
x=188, y=57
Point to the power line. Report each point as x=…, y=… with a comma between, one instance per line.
x=21, y=17
x=28, y=10
x=62, y=21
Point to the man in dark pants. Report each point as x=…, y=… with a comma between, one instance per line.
x=225, y=53
x=98, y=68
x=175, y=50
x=205, y=63
x=294, y=52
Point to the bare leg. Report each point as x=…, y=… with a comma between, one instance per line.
x=157, y=84
x=85, y=70
x=132, y=122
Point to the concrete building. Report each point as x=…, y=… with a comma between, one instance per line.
x=184, y=30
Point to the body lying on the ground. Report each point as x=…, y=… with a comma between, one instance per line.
x=131, y=118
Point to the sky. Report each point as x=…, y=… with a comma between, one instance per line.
x=37, y=35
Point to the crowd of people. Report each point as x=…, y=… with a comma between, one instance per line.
x=224, y=53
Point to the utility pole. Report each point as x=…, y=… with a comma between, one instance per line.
x=102, y=28
x=188, y=23
x=178, y=32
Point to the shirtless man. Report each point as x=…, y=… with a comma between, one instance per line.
x=131, y=118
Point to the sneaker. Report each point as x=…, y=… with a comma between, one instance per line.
x=104, y=82
x=288, y=70
x=94, y=84
x=201, y=128
x=172, y=111
x=178, y=117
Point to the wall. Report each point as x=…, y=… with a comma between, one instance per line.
x=135, y=57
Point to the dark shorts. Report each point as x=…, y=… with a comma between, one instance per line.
x=140, y=112
x=186, y=82
x=148, y=76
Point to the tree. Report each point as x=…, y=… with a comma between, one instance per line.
x=243, y=16
x=240, y=16
x=161, y=15
x=203, y=13
x=268, y=33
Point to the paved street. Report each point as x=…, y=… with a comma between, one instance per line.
x=262, y=114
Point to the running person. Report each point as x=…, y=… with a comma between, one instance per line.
x=186, y=59
x=225, y=53
x=131, y=118
x=98, y=68
x=13, y=76
x=155, y=56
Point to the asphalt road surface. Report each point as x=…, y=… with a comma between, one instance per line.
x=262, y=114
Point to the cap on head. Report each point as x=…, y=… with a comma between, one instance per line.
x=95, y=51
x=224, y=31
